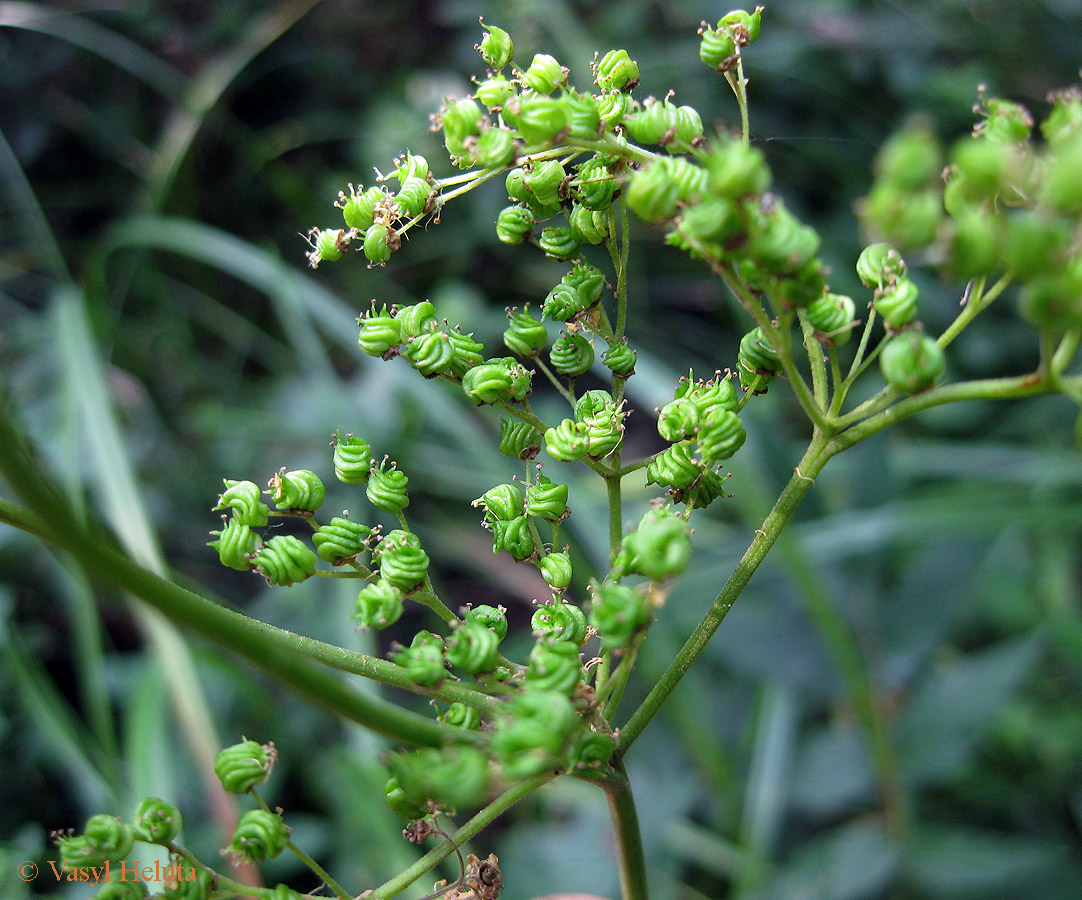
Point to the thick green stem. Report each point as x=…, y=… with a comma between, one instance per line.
x=625, y=823
x=816, y=456
x=434, y=857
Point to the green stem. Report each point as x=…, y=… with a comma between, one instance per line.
x=811, y=464
x=815, y=360
x=321, y=873
x=625, y=822
x=739, y=84
x=434, y=857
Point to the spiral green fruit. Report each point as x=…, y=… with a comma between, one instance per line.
x=620, y=358
x=674, y=467
x=571, y=354
x=423, y=659
x=912, y=362
x=592, y=750
x=301, y=489
x=260, y=835
x=352, y=459
x=583, y=116
x=721, y=435
x=245, y=500
x=77, y=850
x=593, y=185
x=380, y=332
x=473, y=648
x=487, y=382
x=717, y=393
x=567, y=441
x=514, y=536
x=833, y=316
x=556, y=570
x=496, y=47
x=378, y=240
x=613, y=110
x=358, y=209
x=327, y=245
x=236, y=544
x=558, y=242
x=880, y=265
x=736, y=170
x=111, y=837
x=524, y=334
x=117, y=889
x=462, y=716
x=514, y=224
x=616, y=71
x=242, y=766
x=502, y=502
x=431, y=353
x=539, y=119
x=660, y=547
x=897, y=303
x=678, y=420
x=284, y=560
x=518, y=439
x=717, y=48
x=560, y=622
x=494, y=92
x=544, y=74
x=588, y=281
x=588, y=226
x=199, y=887
x=757, y=360
x=386, y=488
x=467, y=352
x=530, y=738
x=417, y=319
x=494, y=149
x=521, y=378
x=778, y=242
x=392, y=540
x=547, y=500
x=617, y=612
x=604, y=434
x=492, y=617
x=156, y=821
x=451, y=777
x=412, y=198
x=543, y=183
x=705, y=490
x=564, y=303
x=554, y=666
x=379, y=604
x=653, y=191
x=654, y=123
x=400, y=806
x=404, y=567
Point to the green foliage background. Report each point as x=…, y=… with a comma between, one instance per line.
x=156, y=163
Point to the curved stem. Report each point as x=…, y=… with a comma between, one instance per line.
x=625, y=822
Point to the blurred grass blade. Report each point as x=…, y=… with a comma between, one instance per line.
x=87, y=34
x=38, y=233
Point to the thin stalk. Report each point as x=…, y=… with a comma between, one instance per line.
x=977, y=301
x=613, y=689
x=321, y=873
x=815, y=360
x=625, y=823
x=811, y=464
x=739, y=84
x=434, y=857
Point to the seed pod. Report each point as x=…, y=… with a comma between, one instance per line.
x=242, y=766
x=524, y=334
x=423, y=659
x=417, y=319
x=501, y=503
x=897, y=303
x=568, y=440
x=778, y=242
x=358, y=209
x=559, y=622
x=544, y=74
x=518, y=439
x=244, y=499
x=673, y=467
x=588, y=280
x=736, y=171
x=284, y=560
x=583, y=116
x=521, y=378
x=379, y=604
x=487, y=383
x=907, y=218
x=832, y=316
x=717, y=393
x=494, y=149
x=473, y=648
x=1003, y=121
x=721, y=435
x=571, y=354
x=1054, y=300
x=660, y=547
x=529, y=739
x=554, y=666
x=912, y=362
x=616, y=71
x=614, y=108
x=111, y=837
x=563, y=303
x=386, y=488
x=492, y=617
x=156, y=821
x=494, y=92
x=593, y=186
x=327, y=245
x=403, y=567
x=543, y=183
x=592, y=750
x=879, y=265
x=1061, y=190
x=541, y=120
x=514, y=224
x=620, y=358
x=547, y=500
x=412, y=197
x=588, y=226
x=652, y=192
x=396, y=800
x=77, y=850
x=377, y=244
x=655, y=122
x=973, y=243
x=757, y=360
x=467, y=352
x=236, y=543
x=451, y=777
x=558, y=242
x=462, y=716
x=617, y=612
x=1065, y=118
x=1033, y=244
x=514, y=536
x=301, y=489
x=706, y=489
x=379, y=332
x=430, y=353
x=678, y=420
x=260, y=835
x=352, y=459
x=717, y=48
x=603, y=420
x=340, y=540
x=496, y=47
x=556, y=570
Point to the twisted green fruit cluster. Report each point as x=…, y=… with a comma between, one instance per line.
x=260, y=835
x=156, y=821
x=560, y=622
x=284, y=560
x=104, y=839
x=531, y=736
x=720, y=46
x=242, y=766
x=301, y=490
x=462, y=716
x=474, y=648
x=554, y=666
x=386, y=487
x=518, y=439
x=617, y=612
x=236, y=544
x=452, y=778
x=244, y=499
x=658, y=548
x=340, y=540
x=556, y=570
x=378, y=604
x=757, y=361
x=423, y=660
x=547, y=500
x=912, y=362
x=494, y=618
x=402, y=563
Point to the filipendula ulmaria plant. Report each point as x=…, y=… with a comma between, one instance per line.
x=997, y=213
